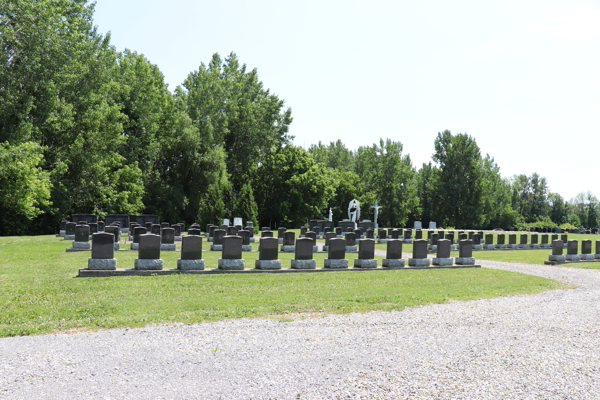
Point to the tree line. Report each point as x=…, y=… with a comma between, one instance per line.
x=85, y=128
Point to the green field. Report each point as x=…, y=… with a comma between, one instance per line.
x=41, y=293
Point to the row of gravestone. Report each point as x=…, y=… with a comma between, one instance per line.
x=573, y=254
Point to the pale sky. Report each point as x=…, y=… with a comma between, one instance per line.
x=521, y=77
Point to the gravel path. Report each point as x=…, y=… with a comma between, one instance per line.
x=544, y=346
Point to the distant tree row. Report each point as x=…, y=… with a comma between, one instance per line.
x=84, y=128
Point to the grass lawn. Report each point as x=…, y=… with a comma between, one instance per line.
x=41, y=294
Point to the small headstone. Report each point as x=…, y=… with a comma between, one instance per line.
x=443, y=253
x=419, y=254
x=191, y=253
x=103, y=252
x=366, y=254
x=336, y=254
x=194, y=231
x=149, y=253
x=304, y=254
x=465, y=253
x=265, y=234
x=232, y=231
x=267, y=254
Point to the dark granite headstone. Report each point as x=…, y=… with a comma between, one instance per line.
x=194, y=231
x=168, y=236
x=337, y=248
x=232, y=231
x=476, y=239
x=93, y=227
x=289, y=237
x=328, y=237
x=557, y=247
x=357, y=232
x=137, y=231
x=534, y=239
x=512, y=238
x=443, y=248
x=572, y=247
x=434, y=239
x=164, y=224
x=523, y=238
x=232, y=248
x=100, y=226
x=420, y=248
x=465, y=249
x=155, y=229
x=211, y=230
x=489, y=239
x=149, y=247
x=191, y=247
x=245, y=235
x=103, y=245
x=338, y=231
x=115, y=231
x=218, y=235
x=369, y=233
x=176, y=229
x=265, y=228
x=304, y=248
x=208, y=229
x=395, y=234
x=586, y=247
x=280, y=232
x=266, y=234
x=564, y=238
x=63, y=225
x=394, y=249
x=268, y=248
x=463, y=236
x=501, y=238
x=82, y=233
x=418, y=234
x=149, y=226
x=366, y=249
x=313, y=236
x=382, y=233
x=303, y=230
x=350, y=239
x=408, y=234
x=70, y=228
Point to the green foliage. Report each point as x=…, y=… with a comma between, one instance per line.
x=245, y=206
x=460, y=180
x=335, y=156
x=574, y=220
x=543, y=222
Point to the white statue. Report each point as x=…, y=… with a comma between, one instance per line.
x=330, y=214
x=354, y=211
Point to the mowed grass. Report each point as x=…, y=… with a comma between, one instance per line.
x=41, y=294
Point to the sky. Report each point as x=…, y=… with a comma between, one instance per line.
x=521, y=77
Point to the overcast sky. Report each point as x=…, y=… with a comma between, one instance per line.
x=522, y=78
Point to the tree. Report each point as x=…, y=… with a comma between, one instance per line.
x=335, y=155
x=245, y=205
x=461, y=180
x=558, y=208
x=428, y=193
x=497, y=208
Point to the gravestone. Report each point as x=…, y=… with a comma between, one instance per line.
x=313, y=236
x=211, y=232
x=267, y=254
x=393, y=255
x=280, y=232
x=137, y=231
x=432, y=225
x=586, y=251
x=501, y=241
x=232, y=231
x=155, y=230
x=82, y=237
x=357, y=232
x=289, y=239
x=177, y=232
x=194, y=231
x=545, y=244
x=63, y=228
x=417, y=225
x=100, y=226
x=557, y=252
x=408, y=236
x=489, y=242
x=122, y=219
x=350, y=242
x=443, y=253
x=465, y=253
x=93, y=227
x=231, y=255
x=338, y=231
x=418, y=234
x=419, y=254
x=191, y=253
x=218, y=235
x=149, y=253
x=245, y=235
x=523, y=243
x=434, y=241
x=304, y=254
x=366, y=254
x=117, y=235
x=336, y=253
x=395, y=234
x=597, y=255
x=70, y=231
x=303, y=230
x=534, y=241
x=328, y=237
x=463, y=236
x=168, y=240
x=369, y=234
x=103, y=252
x=266, y=234
x=512, y=241
x=84, y=217
x=237, y=221
x=572, y=254
x=383, y=235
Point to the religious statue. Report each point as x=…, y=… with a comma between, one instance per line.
x=330, y=214
x=354, y=211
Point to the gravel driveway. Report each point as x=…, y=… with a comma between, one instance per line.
x=544, y=346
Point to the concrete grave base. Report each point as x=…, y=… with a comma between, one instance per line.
x=210, y=239
x=367, y=263
x=597, y=256
x=117, y=246
x=339, y=236
x=82, y=245
x=252, y=240
x=62, y=233
x=585, y=257
x=335, y=263
x=383, y=241
x=443, y=261
x=315, y=249
x=304, y=264
x=325, y=248
x=168, y=247
x=188, y=265
x=545, y=245
x=216, y=247
x=178, y=238
x=288, y=248
x=69, y=237
x=489, y=246
x=572, y=257
x=501, y=246
x=102, y=263
x=267, y=264
x=135, y=246
x=419, y=262
x=351, y=249
x=393, y=263
x=433, y=248
x=557, y=258
x=408, y=241
x=124, y=230
x=523, y=246
x=465, y=261
x=227, y=264
x=246, y=247
x=454, y=247
x=476, y=247
x=535, y=246
x=512, y=246
x=280, y=240
x=149, y=264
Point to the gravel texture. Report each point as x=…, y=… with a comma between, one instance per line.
x=544, y=346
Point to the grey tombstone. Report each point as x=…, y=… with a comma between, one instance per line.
x=164, y=224
x=471, y=233
x=93, y=227
x=289, y=239
x=417, y=225
x=366, y=254
x=82, y=237
x=266, y=234
x=177, y=232
x=419, y=254
x=191, y=253
x=137, y=231
x=545, y=244
x=63, y=228
x=465, y=253
x=564, y=238
x=586, y=251
x=408, y=236
x=418, y=234
x=429, y=235
x=117, y=234
x=155, y=229
x=350, y=242
x=103, y=252
x=572, y=254
x=597, y=255
x=303, y=230
x=207, y=231
x=395, y=234
x=211, y=232
x=512, y=241
x=219, y=234
x=476, y=241
x=383, y=235
x=149, y=226
x=393, y=256
x=369, y=234
x=245, y=235
x=357, y=232
x=232, y=231
x=100, y=226
x=523, y=242
x=280, y=231
x=168, y=240
x=267, y=254
x=70, y=231
x=443, y=258
x=463, y=236
x=304, y=254
x=336, y=254
x=501, y=241
x=489, y=241
x=534, y=241
x=149, y=253
x=328, y=237
x=434, y=241
x=313, y=236
x=265, y=228
x=338, y=231
x=194, y=232
x=231, y=255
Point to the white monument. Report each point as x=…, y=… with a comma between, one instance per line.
x=376, y=208
x=330, y=214
x=237, y=221
x=226, y=221
x=354, y=211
